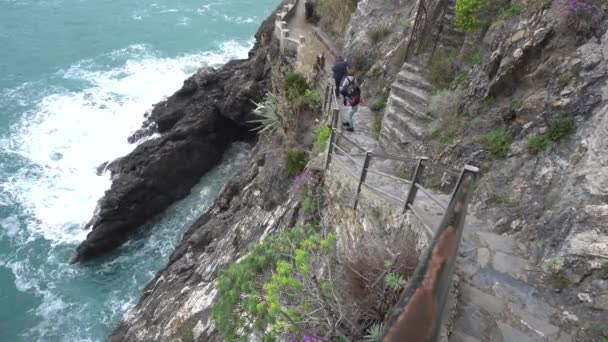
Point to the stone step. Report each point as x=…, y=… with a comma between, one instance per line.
x=419, y=98
x=394, y=136
x=397, y=104
x=411, y=68
x=402, y=122
x=409, y=78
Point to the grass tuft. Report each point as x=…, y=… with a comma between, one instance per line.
x=377, y=33
x=560, y=128
x=537, y=144
x=498, y=142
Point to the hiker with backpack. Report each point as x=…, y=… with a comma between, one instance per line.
x=352, y=99
x=347, y=86
x=340, y=70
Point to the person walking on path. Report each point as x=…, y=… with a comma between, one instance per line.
x=352, y=101
x=340, y=70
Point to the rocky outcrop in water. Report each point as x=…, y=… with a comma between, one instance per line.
x=196, y=124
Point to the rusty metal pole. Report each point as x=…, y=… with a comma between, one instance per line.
x=411, y=194
x=368, y=157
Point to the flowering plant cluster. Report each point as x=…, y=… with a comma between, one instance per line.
x=587, y=10
x=299, y=185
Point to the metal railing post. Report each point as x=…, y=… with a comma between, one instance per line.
x=335, y=117
x=330, y=104
x=411, y=194
x=368, y=157
x=330, y=148
x=467, y=169
x=326, y=98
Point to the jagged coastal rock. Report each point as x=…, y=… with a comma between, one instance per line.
x=196, y=124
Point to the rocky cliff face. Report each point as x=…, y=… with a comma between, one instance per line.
x=177, y=301
x=196, y=124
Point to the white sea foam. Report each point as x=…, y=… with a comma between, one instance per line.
x=183, y=21
x=239, y=19
x=69, y=134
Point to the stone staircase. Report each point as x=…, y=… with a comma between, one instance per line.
x=497, y=301
x=406, y=112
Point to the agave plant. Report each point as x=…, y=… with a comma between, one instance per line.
x=270, y=118
x=374, y=334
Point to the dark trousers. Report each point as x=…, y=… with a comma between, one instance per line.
x=309, y=10
x=338, y=82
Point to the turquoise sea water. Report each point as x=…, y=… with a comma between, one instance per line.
x=76, y=77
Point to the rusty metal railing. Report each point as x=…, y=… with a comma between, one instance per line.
x=418, y=314
x=361, y=160
x=428, y=13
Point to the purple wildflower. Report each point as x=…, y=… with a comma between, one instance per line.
x=276, y=140
x=300, y=183
x=585, y=9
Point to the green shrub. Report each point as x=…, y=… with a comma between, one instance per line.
x=271, y=290
x=537, y=144
x=294, y=85
x=472, y=15
x=312, y=98
x=322, y=134
x=474, y=57
x=497, y=142
x=309, y=204
x=604, y=270
x=377, y=126
x=377, y=33
x=560, y=128
x=604, y=333
x=565, y=78
x=512, y=11
x=380, y=103
x=296, y=161
x=498, y=198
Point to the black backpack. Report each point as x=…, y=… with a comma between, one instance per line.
x=348, y=86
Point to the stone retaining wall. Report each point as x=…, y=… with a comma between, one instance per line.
x=289, y=45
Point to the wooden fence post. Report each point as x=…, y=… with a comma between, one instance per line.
x=411, y=195
x=368, y=157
